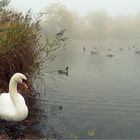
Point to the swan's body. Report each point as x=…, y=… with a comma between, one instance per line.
x=12, y=104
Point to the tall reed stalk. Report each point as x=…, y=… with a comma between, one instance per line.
x=21, y=48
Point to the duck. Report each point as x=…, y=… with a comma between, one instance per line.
x=109, y=49
x=12, y=104
x=64, y=72
x=137, y=52
x=110, y=55
x=94, y=52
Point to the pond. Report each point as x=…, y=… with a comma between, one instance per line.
x=100, y=96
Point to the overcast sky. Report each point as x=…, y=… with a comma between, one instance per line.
x=113, y=7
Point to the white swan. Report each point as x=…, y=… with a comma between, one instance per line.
x=12, y=104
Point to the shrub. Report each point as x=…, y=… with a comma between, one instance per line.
x=21, y=49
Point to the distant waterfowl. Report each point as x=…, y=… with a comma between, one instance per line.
x=64, y=72
x=134, y=45
x=109, y=49
x=137, y=52
x=94, y=52
x=84, y=49
x=110, y=55
x=12, y=104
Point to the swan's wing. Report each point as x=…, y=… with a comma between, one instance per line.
x=5, y=100
x=6, y=106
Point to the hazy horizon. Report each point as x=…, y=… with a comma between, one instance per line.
x=90, y=19
x=112, y=7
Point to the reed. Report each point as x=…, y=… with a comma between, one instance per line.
x=21, y=48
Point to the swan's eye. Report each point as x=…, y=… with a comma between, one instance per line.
x=24, y=82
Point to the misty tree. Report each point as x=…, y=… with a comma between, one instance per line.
x=57, y=19
x=4, y=3
x=99, y=23
x=80, y=29
x=95, y=25
x=126, y=27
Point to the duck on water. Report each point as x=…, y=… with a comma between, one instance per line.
x=64, y=72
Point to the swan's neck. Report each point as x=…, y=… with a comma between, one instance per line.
x=12, y=86
x=13, y=90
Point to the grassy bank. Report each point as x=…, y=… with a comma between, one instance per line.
x=24, y=49
x=20, y=47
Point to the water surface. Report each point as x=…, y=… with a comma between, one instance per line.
x=100, y=98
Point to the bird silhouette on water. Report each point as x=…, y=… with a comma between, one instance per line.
x=64, y=72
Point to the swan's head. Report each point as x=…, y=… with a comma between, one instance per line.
x=20, y=78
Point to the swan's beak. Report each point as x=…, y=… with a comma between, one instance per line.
x=24, y=84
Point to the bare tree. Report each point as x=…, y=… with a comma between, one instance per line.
x=57, y=19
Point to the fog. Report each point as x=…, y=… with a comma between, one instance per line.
x=95, y=25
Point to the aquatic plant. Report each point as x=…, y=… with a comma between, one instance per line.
x=21, y=47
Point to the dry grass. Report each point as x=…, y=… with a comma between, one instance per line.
x=18, y=40
x=20, y=47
